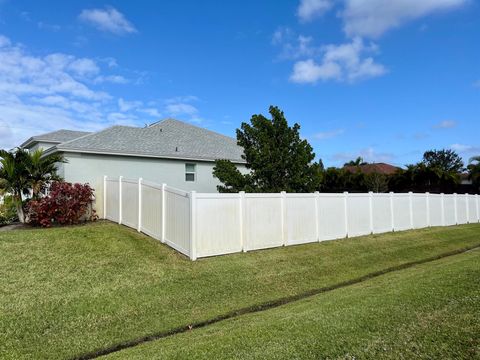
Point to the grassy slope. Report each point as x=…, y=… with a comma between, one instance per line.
x=430, y=311
x=67, y=291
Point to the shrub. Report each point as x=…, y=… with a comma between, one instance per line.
x=66, y=204
x=8, y=211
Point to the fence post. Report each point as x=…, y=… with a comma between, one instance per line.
x=162, y=239
x=284, y=217
x=193, y=245
x=317, y=227
x=242, y=220
x=478, y=208
x=392, y=214
x=120, y=199
x=345, y=201
x=410, y=199
x=443, y=208
x=467, y=200
x=455, y=207
x=370, y=210
x=139, y=226
x=105, y=196
x=427, y=200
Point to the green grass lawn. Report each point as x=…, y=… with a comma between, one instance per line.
x=429, y=311
x=67, y=291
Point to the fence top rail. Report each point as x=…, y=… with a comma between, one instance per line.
x=130, y=181
x=151, y=184
x=263, y=195
x=177, y=191
x=301, y=195
x=218, y=196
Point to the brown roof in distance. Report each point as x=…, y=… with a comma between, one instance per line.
x=380, y=168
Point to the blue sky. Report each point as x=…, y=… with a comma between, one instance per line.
x=382, y=80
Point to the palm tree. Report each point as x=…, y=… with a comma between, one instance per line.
x=357, y=162
x=474, y=170
x=14, y=177
x=42, y=170
x=23, y=173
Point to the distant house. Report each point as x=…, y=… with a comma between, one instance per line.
x=379, y=168
x=465, y=179
x=169, y=151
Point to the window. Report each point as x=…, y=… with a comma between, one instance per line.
x=190, y=172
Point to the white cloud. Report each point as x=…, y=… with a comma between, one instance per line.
x=114, y=79
x=308, y=71
x=151, y=111
x=108, y=20
x=445, y=124
x=367, y=154
x=374, y=17
x=328, y=134
x=295, y=47
x=84, y=67
x=310, y=9
x=344, y=62
x=4, y=41
x=281, y=35
x=466, y=149
x=177, y=109
x=125, y=106
x=182, y=106
x=476, y=84
x=44, y=93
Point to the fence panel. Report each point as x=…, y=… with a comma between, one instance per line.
x=300, y=218
x=218, y=224
x=461, y=209
x=177, y=220
x=420, y=212
x=449, y=206
x=401, y=212
x=151, y=223
x=331, y=216
x=263, y=221
x=472, y=209
x=130, y=203
x=382, y=213
x=358, y=214
x=435, y=207
x=112, y=201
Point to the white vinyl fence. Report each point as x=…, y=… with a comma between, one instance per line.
x=204, y=224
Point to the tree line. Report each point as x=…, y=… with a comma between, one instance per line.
x=278, y=159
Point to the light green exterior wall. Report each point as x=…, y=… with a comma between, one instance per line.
x=90, y=168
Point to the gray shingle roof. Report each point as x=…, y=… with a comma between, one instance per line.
x=168, y=138
x=58, y=136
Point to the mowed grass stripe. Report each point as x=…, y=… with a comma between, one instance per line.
x=69, y=291
x=265, y=306
x=431, y=311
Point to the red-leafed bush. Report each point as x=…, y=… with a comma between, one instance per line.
x=66, y=204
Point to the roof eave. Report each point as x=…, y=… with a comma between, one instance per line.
x=33, y=140
x=72, y=150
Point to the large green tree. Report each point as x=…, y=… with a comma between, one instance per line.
x=277, y=158
x=439, y=171
x=445, y=160
x=23, y=174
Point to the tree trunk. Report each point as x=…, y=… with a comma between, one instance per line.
x=18, y=205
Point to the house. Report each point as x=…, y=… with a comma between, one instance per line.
x=169, y=151
x=378, y=168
